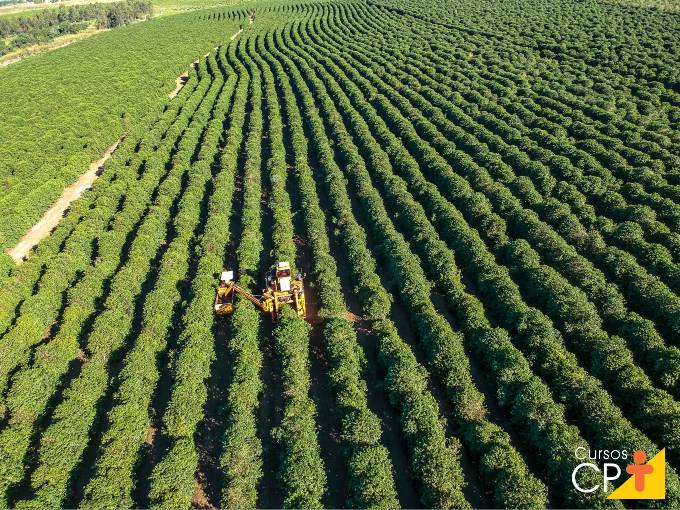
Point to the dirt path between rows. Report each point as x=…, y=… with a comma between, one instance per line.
x=54, y=214
x=183, y=78
x=180, y=81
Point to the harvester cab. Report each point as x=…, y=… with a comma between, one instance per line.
x=282, y=273
x=280, y=289
x=224, y=301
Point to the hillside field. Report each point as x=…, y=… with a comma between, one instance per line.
x=483, y=197
x=62, y=109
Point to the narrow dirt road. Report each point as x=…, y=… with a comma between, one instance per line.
x=182, y=79
x=179, y=84
x=55, y=213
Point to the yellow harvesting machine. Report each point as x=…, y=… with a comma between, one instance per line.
x=281, y=290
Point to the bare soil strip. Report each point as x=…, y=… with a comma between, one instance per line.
x=55, y=213
x=179, y=84
x=182, y=79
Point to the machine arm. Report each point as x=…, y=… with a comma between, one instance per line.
x=280, y=291
x=250, y=297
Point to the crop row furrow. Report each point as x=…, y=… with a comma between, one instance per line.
x=34, y=389
x=649, y=347
x=652, y=288
x=368, y=462
x=301, y=471
x=466, y=80
x=431, y=454
x=64, y=442
x=127, y=422
x=509, y=298
x=172, y=478
x=613, y=355
x=443, y=345
x=241, y=460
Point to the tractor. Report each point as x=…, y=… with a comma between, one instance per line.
x=281, y=289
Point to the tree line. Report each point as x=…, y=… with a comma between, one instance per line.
x=27, y=30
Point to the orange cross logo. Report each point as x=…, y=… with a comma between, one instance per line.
x=648, y=479
x=639, y=470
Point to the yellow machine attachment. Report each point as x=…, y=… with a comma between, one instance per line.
x=281, y=290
